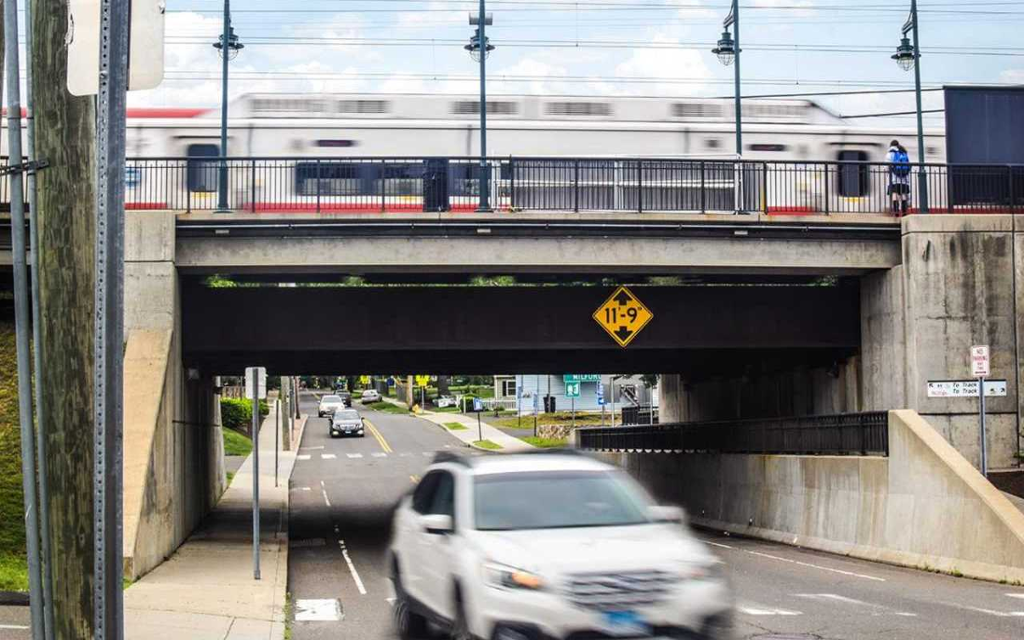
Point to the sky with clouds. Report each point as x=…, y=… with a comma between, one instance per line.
x=605, y=47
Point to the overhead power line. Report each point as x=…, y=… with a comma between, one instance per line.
x=891, y=113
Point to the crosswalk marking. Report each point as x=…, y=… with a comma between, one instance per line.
x=405, y=455
x=379, y=455
x=355, y=455
x=328, y=456
x=1015, y=595
x=302, y=457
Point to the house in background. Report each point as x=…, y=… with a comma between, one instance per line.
x=526, y=393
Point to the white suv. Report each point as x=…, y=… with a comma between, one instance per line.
x=544, y=546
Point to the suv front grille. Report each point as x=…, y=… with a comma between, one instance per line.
x=618, y=591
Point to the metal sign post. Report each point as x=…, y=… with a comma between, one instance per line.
x=256, y=388
x=277, y=438
x=981, y=369
x=108, y=385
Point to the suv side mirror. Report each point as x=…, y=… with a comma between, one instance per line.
x=436, y=523
x=667, y=513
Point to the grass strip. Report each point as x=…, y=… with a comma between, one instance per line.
x=236, y=444
x=487, y=444
x=455, y=426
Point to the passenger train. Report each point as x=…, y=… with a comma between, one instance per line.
x=284, y=130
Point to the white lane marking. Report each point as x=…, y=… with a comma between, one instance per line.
x=323, y=490
x=427, y=453
x=405, y=455
x=318, y=610
x=14, y=627
x=352, y=568
x=302, y=457
x=354, y=455
x=328, y=456
x=1000, y=614
x=814, y=566
x=718, y=544
x=1015, y=595
x=379, y=455
x=751, y=609
x=835, y=597
x=312, y=448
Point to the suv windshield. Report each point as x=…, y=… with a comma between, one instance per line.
x=331, y=399
x=552, y=500
x=346, y=415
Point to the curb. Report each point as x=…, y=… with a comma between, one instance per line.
x=13, y=599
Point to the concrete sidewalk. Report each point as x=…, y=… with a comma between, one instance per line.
x=509, y=444
x=206, y=590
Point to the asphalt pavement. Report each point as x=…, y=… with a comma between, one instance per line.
x=340, y=530
x=14, y=623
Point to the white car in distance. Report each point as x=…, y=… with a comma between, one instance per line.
x=328, y=405
x=548, y=546
x=370, y=395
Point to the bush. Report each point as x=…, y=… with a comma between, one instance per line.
x=236, y=414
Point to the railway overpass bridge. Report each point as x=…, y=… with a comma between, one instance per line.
x=764, y=316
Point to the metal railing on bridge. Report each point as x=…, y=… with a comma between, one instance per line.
x=637, y=185
x=854, y=434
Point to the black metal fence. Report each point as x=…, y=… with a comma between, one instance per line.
x=857, y=434
x=372, y=185
x=643, y=414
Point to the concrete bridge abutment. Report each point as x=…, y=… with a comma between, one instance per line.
x=960, y=283
x=173, y=446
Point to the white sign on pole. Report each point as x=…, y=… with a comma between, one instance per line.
x=146, y=46
x=980, y=361
x=965, y=388
x=261, y=381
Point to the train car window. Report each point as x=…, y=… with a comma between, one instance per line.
x=471, y=107
x=334, y=144
x=202, y=174
x=696, y=110
x=579, y=109
x=853, y=180
x=713, y=143
x=767, y=147
x=335, y=178
x=364, y=106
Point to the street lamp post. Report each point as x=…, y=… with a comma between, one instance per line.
x=479, y=48
x=228, y=46
x=728, y=52
x=908, y=57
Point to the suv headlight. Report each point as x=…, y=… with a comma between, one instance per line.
x=506, y=577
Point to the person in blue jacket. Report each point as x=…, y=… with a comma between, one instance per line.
x=899, y=178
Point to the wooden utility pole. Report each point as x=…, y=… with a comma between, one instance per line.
x=65, y=135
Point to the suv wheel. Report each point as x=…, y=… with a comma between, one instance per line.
x=409, y=624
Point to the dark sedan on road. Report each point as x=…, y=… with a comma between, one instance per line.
x=347, y=423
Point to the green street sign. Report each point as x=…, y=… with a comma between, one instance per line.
x=581, y=377
x=572, y=389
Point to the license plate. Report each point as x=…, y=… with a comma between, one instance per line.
x=626, y=623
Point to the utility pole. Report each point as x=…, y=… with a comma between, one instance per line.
x=21, y=317
x=66, y=268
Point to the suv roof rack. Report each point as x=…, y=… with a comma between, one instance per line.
x=453, y=457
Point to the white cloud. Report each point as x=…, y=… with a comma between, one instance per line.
x=1015, y=76
x=665, y=63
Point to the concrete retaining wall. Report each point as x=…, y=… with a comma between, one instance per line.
x=923, y=506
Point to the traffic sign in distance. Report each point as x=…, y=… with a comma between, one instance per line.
x=572, y=389
x=581, y=377
x=623, y=316
x=965, y=388
x=260, y=373
x=422, y=381
x=980, y=367
x=364, y=379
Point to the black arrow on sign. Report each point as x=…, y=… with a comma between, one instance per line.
x=623, y=333
x=623, y=298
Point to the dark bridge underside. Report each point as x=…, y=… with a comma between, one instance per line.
x=705, y=331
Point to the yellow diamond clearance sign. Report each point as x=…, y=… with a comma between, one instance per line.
x=623, y=316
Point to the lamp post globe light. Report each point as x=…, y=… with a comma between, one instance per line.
x=480, y=49
x=726, y=49
x=908, y=56
x=228, y=47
